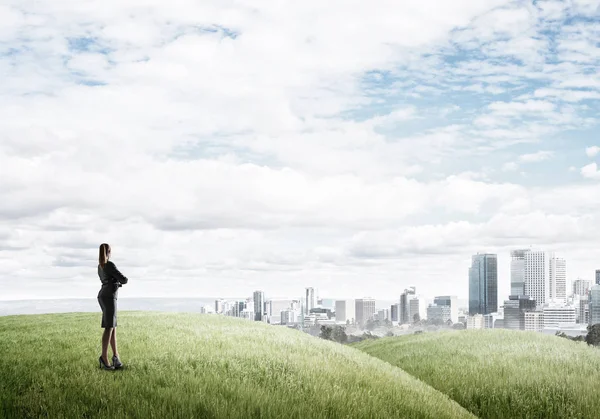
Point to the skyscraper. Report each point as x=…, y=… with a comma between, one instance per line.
x=311, y=302
x=404, y=315
x=394, y=312
x=259, y=304
x=517, y=271
x=597, y=276
x=483, y=284
x=345, y=311
x=365, y=309
x=557, y=274
x=537, y=276
x=594, y=305
x=581, y=287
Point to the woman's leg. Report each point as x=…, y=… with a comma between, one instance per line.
x=113, y=342
x=105, y=338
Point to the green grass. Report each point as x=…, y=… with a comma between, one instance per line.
x=501, y=373
x=198, y=366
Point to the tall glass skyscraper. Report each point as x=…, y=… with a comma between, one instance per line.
x=594, y=305
x=483, y=284
x=517, y=272
x=259, y=305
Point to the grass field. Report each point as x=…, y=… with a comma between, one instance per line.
x=501, y=373
x=198, y=366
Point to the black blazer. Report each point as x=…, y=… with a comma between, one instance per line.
x=111, y=280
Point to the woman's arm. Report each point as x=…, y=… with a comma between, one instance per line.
x=115, y=273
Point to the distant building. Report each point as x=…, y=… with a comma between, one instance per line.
x=219, y=306
x=584, y=310
x=345, y=311
x=534, y=321
x=493, y=321
x=405, y=305
x=475, y=322
x=450, y=301
x=383, y=314
x=483, y=284
x=514, y=311
x=365, y=310
x=594, y=304
x=545, y=277
x=259, y=303
x=416, y=305
x=581, y=287
x=440, y=313
x=394, y=312
x=557, y=273
x=555, y=314
x=597, y=276
x=311, y=302
x=289, y=317
x=237, y=308
x=517, y=271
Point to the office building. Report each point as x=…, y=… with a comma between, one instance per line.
x=557, y=273
x=514, y=311
x=517, y=271
x=556, y=313
x=584, y=310
x=534, y=321
x=219, y=306
x=289, y=317
x=483, y=284
x=259, y=303
x=394, y=312
x=580, y=287
x=345, y=311
x=537, y=276
x=493, y=321
x=416, y=308
x=597, y=276
x=475, y=322
x=594, y=305
x=450, y=301
x=365, y=310
x=383, y=314
x=405, y=305
x=311, y=301
x=439, y=313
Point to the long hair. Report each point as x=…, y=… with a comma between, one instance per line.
x=103, y=257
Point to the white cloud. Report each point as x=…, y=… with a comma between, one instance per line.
x=592, y=151
x=536, y=157
x=230, y=147
x=590, y=171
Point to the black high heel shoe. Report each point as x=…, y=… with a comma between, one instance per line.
x=117, y=362
x=104, y=366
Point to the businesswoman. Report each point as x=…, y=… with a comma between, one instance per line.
x=111, y=280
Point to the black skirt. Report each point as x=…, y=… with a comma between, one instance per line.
x=109, y=311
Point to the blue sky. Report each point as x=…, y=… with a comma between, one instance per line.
x=357, y=148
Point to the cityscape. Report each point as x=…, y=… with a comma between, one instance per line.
x=539, y=301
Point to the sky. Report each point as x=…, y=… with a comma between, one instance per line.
x=357, y=147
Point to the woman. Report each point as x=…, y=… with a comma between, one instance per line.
x=111, y=280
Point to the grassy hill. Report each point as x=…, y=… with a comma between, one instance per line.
x=501, y=373
x=201, y=366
